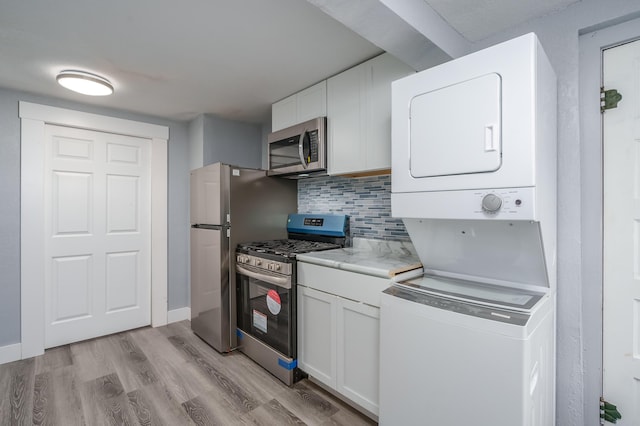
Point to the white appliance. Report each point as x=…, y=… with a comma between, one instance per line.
x=474, y=179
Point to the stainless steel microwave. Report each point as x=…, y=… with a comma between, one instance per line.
x=299, y=151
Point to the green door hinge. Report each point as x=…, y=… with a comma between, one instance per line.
x=609, y=99
x=608, y=412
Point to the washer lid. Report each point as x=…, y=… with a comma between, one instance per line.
x=508, y=253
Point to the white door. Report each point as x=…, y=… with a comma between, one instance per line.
x=621, y=293
x=97, y=234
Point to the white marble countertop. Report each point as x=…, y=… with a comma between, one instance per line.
x=378, y=258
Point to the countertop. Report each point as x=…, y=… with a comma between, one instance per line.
x=379, y=258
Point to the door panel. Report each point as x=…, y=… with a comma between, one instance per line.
x=462, y=129
x=97, y=234
x=122, y=281
x=621, y=245
x=71, y=284
x=72, y=210
x=122, y=204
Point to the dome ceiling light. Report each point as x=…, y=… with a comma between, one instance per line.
x=85, y=83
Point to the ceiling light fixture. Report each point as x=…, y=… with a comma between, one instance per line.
x=85, y=83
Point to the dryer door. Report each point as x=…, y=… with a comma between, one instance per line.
x=457, y=129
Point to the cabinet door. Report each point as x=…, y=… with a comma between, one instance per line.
x=284, y=113
x=316, y=334
x=358, y=352
x=346, y=94
x=359, y=115
x=384, y=70
x=300, y=107
x=312, y=102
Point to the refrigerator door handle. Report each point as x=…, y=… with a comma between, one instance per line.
x=279, y=281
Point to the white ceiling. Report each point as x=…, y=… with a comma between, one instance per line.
x=478, y=19
x=231, y=58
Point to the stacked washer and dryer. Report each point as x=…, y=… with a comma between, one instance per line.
x=474, y=179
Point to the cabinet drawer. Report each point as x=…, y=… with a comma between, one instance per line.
x=350, y=285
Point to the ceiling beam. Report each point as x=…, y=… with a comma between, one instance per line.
x=408, y=29
x=419, y=15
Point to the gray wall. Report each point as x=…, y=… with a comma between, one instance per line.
x=178, y=219
x=578, y=369
x=232, y=142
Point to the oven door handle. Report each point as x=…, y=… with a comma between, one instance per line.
x=279, y=281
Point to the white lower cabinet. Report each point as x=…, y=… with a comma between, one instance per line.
x=338, y=337
x=357, y=352
x=317, y=334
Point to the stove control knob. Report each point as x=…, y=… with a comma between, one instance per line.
x=276, y=267
x=258, y=262
x=270, y=266
x=491, y=203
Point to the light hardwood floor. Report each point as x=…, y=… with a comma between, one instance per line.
x=158, y=376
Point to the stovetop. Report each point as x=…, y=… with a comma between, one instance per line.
x=287, y=248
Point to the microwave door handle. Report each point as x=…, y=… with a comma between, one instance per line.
x=279, y=281
x=300, y=149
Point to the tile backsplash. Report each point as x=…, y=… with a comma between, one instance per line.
x=366, y=200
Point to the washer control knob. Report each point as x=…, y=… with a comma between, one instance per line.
x=491, y=203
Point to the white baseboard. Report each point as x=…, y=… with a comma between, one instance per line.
x=10, y=353
x=179, y=314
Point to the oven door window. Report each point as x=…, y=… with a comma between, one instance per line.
x=264, y=311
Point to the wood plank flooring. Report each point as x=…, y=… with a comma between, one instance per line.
x=158, y=376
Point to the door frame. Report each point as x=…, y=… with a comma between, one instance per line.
x=33, y=118
x=592, y=42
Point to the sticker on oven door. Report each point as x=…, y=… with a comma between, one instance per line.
x=273, y=302
x=260, y=321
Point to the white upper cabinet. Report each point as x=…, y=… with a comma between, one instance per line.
x=359, y=116
x=300, y=107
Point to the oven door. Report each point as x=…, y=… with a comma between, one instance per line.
x=265, y=307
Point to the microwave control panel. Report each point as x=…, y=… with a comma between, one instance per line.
x=313, y=146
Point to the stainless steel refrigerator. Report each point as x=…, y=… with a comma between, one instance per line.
x=229, y=205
